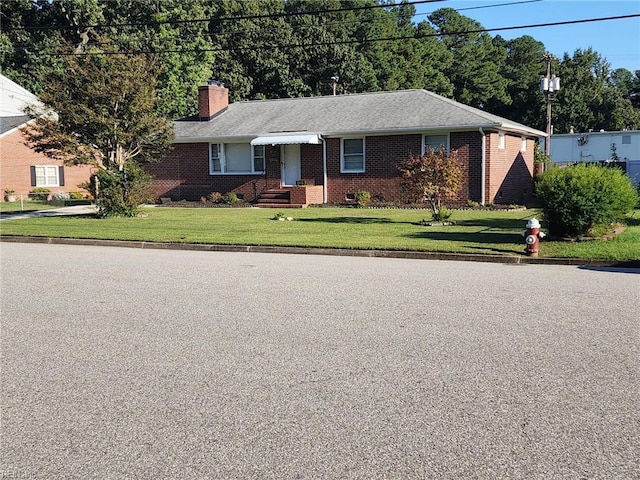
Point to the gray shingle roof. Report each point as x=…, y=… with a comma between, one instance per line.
x=369, y=113
x=9, y=123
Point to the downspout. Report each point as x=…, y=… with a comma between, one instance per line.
x=483, y=166
x=324, y=171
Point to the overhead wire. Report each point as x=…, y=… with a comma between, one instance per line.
x=224, y=19
x=352, y=41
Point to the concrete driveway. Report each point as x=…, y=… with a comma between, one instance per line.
x=130, y=363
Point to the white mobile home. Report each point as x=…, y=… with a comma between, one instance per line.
x=598, y=147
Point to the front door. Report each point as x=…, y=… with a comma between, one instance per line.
x=290, y=165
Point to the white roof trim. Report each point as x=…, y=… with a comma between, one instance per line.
x=287, y=139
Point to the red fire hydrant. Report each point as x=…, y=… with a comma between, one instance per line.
x=532, y=236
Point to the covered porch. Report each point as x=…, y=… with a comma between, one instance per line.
x=300, y=160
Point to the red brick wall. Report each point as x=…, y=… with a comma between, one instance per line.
x=510, y=170
x=380, y=178
x=310, y=195
x=16, y=158
x=184, y=174
x=467, y=148
x=311, y=164
x=384, y=153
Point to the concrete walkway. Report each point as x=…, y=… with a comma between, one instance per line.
x=54, y=212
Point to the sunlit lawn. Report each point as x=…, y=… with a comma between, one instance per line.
x=25, y=206
x=475, y=231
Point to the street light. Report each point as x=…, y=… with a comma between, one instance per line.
x=335, y=83
x=549, y=84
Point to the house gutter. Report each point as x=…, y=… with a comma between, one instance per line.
x=324, y=170
x=483, y=166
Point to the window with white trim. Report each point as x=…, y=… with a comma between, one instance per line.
x=236, y=158
x=47, y=176
x=501, y=140
x=215, y=158
x=435, y=142
x=523, y=144
x=258, y=158
x=352, y=155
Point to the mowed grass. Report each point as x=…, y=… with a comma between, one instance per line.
x=475, y=231
x=25, y=206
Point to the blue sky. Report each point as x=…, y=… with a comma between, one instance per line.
x=617, y=40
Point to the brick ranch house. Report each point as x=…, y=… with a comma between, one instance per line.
x=323, y=149
x=21, y=168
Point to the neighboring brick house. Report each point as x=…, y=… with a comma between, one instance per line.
x=21, y=168
x=340, y=144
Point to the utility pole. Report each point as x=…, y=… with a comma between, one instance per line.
x=549, y=84
x=335, y=84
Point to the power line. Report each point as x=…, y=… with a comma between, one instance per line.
x=496, y=5
x=294, y=27
x=222, y=19
x=383, y=20
x=361, y=41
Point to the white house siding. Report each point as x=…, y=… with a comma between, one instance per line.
x=596, y=147
x=633, y=170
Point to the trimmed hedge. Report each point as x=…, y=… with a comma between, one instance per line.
x=578, y=198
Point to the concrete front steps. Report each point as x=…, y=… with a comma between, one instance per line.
x=291, y=197
x=277, y=198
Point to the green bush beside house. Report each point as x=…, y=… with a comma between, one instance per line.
x=577, y=199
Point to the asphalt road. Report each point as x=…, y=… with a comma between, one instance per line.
x=127, y=363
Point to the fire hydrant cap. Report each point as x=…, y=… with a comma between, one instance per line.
x=533, y=223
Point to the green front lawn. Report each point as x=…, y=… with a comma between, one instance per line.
x=475, y=231
x=25, y=206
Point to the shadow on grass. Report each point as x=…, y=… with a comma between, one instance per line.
x=359, y=220
x=502, y=223
x=633, y=221
x=470, y=237
x=45, y=214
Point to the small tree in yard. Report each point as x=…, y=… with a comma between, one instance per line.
x=105, y=116
x=432, y=177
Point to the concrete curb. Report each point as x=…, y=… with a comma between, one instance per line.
x=461, y=257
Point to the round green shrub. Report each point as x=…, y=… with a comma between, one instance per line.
x=230, y=198
x=362, y=198
x=578, y=198
x=40, y=193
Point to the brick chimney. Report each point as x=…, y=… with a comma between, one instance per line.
x=213, y=98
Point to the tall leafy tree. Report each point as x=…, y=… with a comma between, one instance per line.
x=476, y=63
x=276, y=48
x=522, y=70
x=253, y=60
x=589, y=99
x=331, y=46
x=36, y=31
x=104, y=114
x=583, y=86
x=166, y=26
x=26, y=47
x=417, y=61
